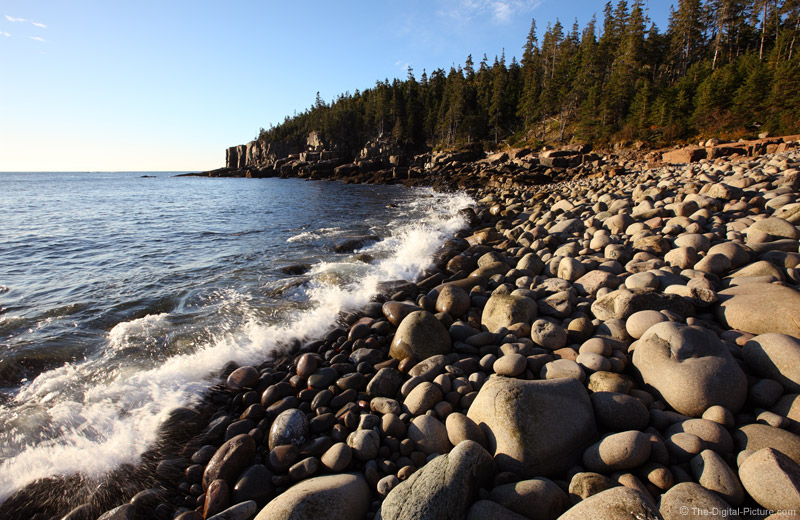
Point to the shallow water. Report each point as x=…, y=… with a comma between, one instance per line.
x=120, y=295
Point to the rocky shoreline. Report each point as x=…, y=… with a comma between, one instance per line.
x=622, y=344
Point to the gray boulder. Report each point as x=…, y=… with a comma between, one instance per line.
x=330, y=497
x=690, y=367
x=534, y=428
x=442, y=489
x=619, y=503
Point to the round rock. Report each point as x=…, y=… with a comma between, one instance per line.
x=420, y=335
x=690, y=367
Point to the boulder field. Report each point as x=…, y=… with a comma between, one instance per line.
x=611, y=347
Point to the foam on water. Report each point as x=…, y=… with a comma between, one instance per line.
x=93, y=415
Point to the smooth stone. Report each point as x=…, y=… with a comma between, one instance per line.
x=230, y=459
x=527, y=425
x=619, y=412
x=241, y=511
x=306, y=365
x=773, y=226
x=396, y=312
x=691, y=501
x=548, y=335
x=504, y=310
x=593, y=281
x=587, y=483
x=775, y=356
x=255, y=484
x=510, y=365
x=453, y=300
x=622, y=303
x=365, y=444
x=444, y=488
x=562, y=369
x=760, y=308
x=385, y=383
x=422, y=398
x=429, y=435
x=592, y=362
x=711, y=472
x=330, y=497
x=486, y=509
x=758, y=436
x=420, y=335
x=619, y=503
x=289, y=427
x=218, y=498
x=337, y=457
x=242, y=377
x=638, y=322
x=789, y=406
x=772, y=479
x=609, y=382
x=714, y=435
x=690, y=367
x=619, y=451
x=461, y=428
x=539, y=498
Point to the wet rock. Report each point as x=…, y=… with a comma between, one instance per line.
x=218, y=498
x=420, y=335
x=534, y=428
x=329, y=497
x=241, y=511
x=123, y=512
x=453, y=300
x=443, y=488
x=242, y=377
x=230, y=459
x=690, y=367
x=255, y=484
x=385, y=383
x=289, y=427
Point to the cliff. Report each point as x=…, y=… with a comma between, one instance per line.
x=380, y=161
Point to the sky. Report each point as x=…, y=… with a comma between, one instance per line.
x=169, y=85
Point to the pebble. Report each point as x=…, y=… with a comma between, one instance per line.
x=510, y=365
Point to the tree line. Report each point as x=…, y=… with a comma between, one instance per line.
x=722, y=68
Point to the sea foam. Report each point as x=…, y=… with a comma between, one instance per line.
x=92, y=415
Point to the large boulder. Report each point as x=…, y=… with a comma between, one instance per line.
x=690, y=367
x=674, y=503
x=442, y=489
x=760, y=308
x=535, y=428
x=503, y=310
x=331, y=497
x=775, y=356
x=619, y=503
x=420, y=336
x=755, y=437
x=772, y=479
x=620, y=304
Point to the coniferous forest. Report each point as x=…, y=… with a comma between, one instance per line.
x=722, y=68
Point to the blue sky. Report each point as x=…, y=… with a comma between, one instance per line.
x=168, y=85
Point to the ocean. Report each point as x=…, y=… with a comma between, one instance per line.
x=123, y=294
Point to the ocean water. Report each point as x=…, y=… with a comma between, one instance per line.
x=122, y=294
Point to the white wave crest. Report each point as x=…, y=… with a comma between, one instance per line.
x=92, y=416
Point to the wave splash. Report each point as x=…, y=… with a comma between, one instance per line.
x=94, y=415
